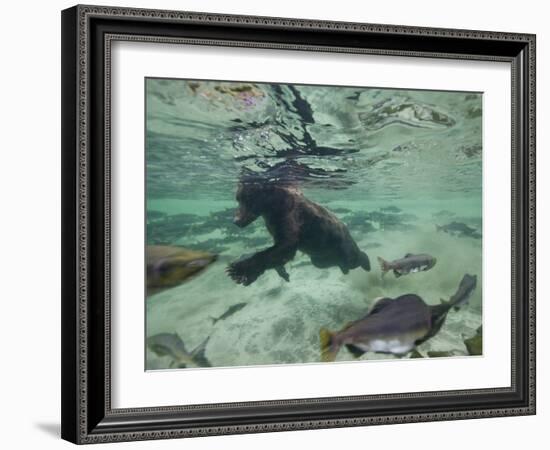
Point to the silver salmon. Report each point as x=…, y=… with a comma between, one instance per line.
x=408, y=264
x=396, y=326
x=169, y=266
x=459, y=229
x=230, y=311
x=171, y=344
x=391, y=326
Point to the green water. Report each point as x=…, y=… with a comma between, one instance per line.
x=390, y=164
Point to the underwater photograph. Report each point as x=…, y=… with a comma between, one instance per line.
x=294, y=223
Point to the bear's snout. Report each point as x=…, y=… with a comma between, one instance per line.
x=243, y=218
x=237, y=220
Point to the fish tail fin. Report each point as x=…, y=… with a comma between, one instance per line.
x=329, y=348
x=213, y=319
x=438, y=227
x=443, y=301
x=198, y=355
x=384, y=265
x=364, y=261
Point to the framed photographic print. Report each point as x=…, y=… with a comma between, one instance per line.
x=279, y=224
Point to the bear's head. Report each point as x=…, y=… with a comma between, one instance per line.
x=258, y=197
x=251, y=203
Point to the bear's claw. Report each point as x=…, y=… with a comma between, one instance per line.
x=241, y=273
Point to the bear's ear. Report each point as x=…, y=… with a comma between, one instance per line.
x=247, y=192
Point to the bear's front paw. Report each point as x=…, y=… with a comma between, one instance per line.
x=242, y=272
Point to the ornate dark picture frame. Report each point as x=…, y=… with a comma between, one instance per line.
x=87, y=34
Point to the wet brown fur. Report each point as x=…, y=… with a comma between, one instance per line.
x=296, y=223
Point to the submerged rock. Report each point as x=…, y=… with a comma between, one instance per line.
x=470, y=151
x=474, y=345
x=474, y=112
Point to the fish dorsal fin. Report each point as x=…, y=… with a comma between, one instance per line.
x=408, y=255
x=380, y=305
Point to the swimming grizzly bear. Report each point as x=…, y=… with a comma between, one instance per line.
x=295, y=223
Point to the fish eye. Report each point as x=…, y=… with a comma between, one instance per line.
x=164, y=268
